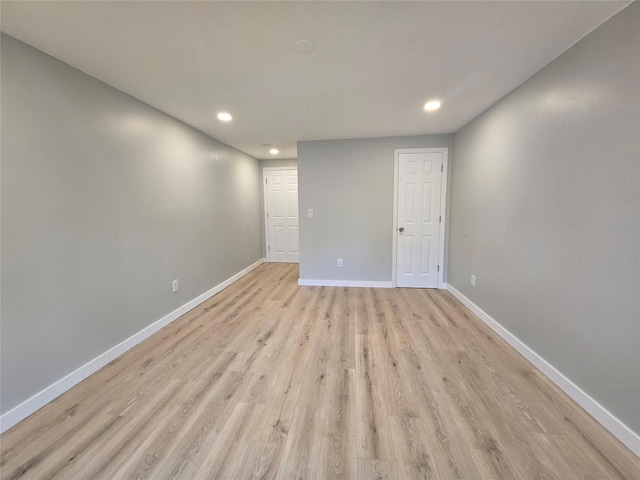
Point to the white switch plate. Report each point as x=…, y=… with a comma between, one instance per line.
x=340, y=262
x=174, y=286
x=310, y=212
x=473, y=280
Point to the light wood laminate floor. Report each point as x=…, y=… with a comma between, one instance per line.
x=271, y=380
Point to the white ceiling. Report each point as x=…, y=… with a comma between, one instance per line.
x=373, y=67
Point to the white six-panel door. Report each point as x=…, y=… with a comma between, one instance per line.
x=281, y=216
x=418, y=218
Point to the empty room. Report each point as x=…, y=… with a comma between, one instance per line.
x=320, y=240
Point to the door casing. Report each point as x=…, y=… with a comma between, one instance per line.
x=268, y=257
x=443, y=209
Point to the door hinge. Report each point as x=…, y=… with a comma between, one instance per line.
x=440, y=220
x=269, y=248
x=267, y=214
x=266, y=180
x=438, y=267
x=442, y=168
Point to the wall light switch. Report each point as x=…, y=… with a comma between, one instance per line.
x=473, y=280
x=174, y=286
x=310, y=212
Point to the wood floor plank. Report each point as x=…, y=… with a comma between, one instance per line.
x=582, y=466
x=449, y=445
x=377, y=469
x=268, y=379
x=339, y=429
x=374, y=428
x=302, y=453
x=261, y=461
x=124, y=450
x=227, y=453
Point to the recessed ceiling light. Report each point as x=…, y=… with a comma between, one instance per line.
x=303, y=46
x=274, y=151
x=224, y=116
x=432, y=105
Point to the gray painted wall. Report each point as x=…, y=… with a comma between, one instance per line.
x=349, y=185
x=270, y=163
x=545, y=211
x=105, y=200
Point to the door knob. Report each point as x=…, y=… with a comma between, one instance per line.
x=401, y=229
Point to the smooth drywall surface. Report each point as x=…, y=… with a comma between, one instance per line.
x=278, y=163
x=105, y=201
x=349, y=186
x=270, y=163
x=545, y=212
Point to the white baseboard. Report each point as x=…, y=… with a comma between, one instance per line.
x=343, y=283
x=597, y=411
x=40, y=399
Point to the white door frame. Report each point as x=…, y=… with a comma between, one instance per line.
x=443, y=208
x=265, y=202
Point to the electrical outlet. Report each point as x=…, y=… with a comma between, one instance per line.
x=340, y=262
x=309, y=212
x=174, y=286
x=473, y=280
